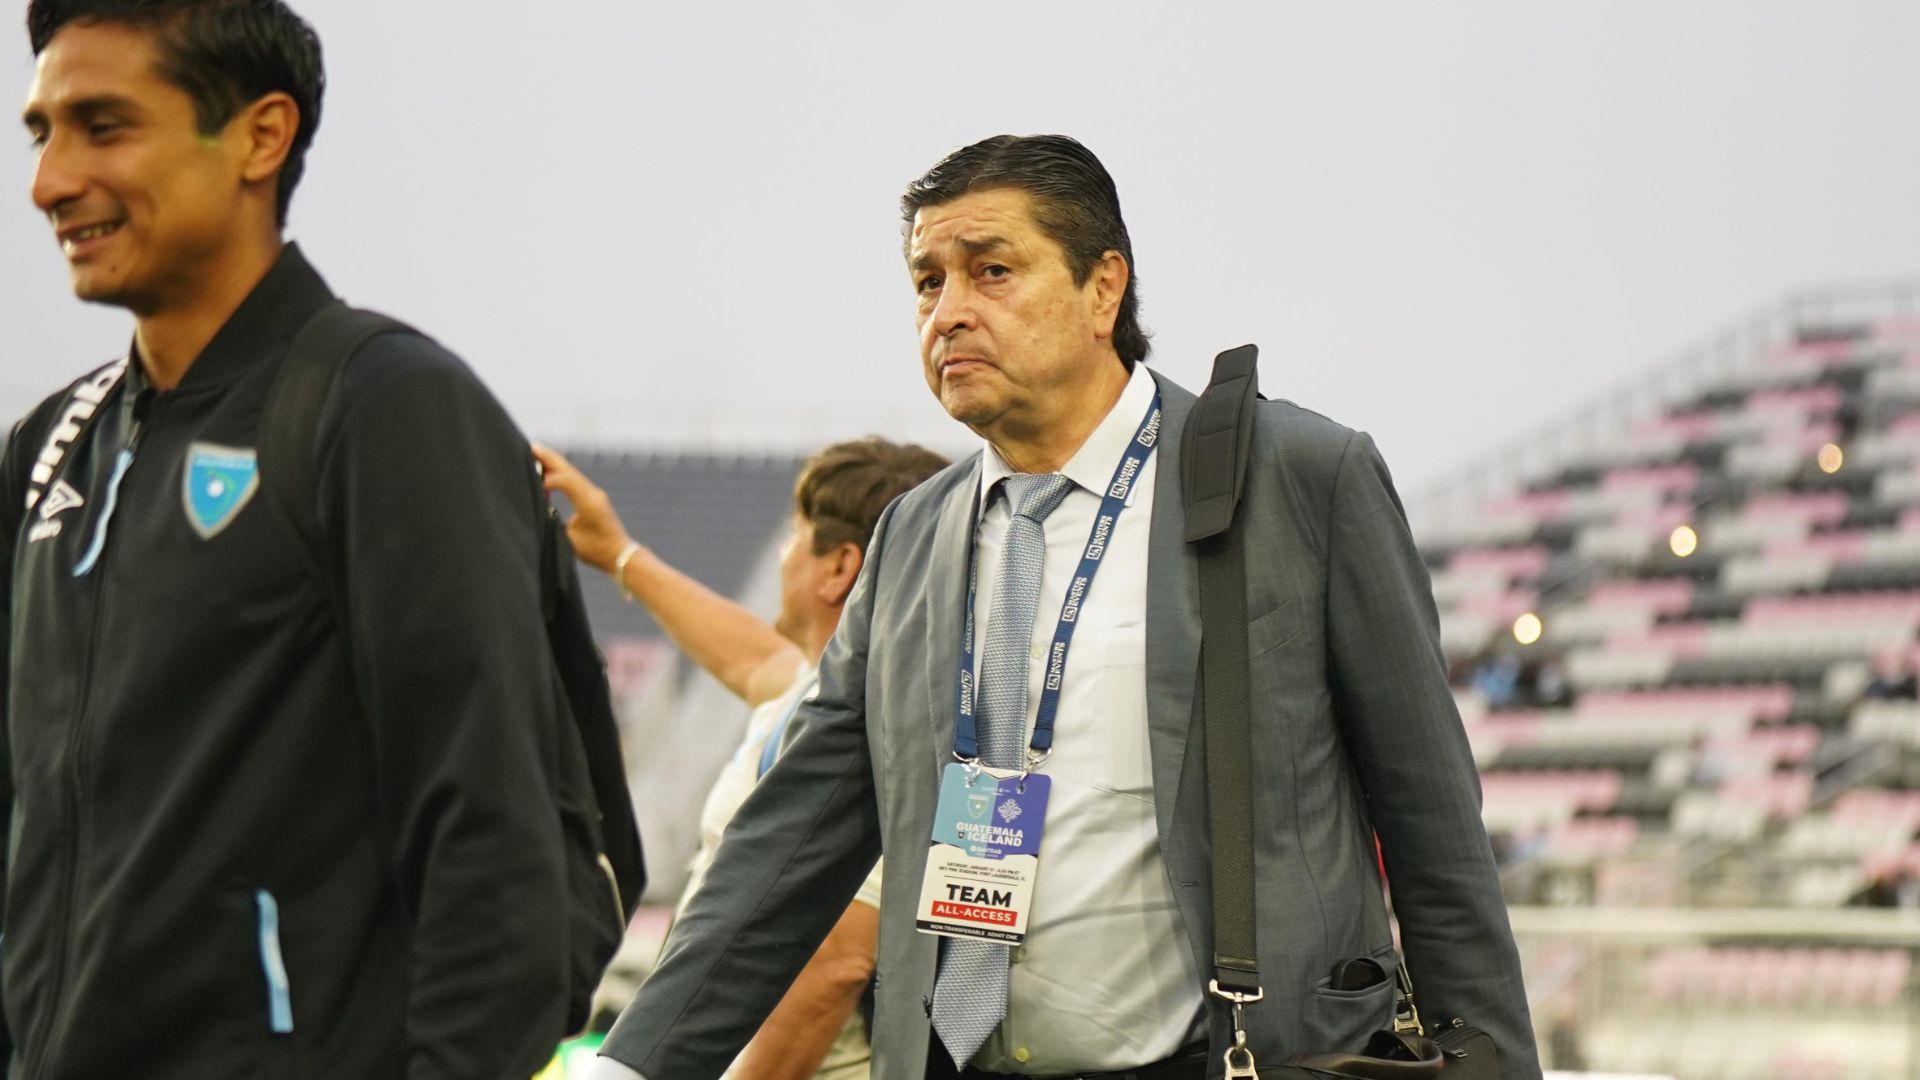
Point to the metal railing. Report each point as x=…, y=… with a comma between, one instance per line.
x=1595, y=984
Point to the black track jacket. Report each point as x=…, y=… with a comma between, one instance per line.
x=258, y=830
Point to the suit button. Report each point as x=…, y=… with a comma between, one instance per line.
x=1020, y=1054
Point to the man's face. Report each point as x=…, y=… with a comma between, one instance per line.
x=140, y=201
x=1003, y=327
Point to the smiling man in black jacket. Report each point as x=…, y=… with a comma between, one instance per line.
x=265, y=821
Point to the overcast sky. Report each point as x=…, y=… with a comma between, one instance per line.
x=649, y=223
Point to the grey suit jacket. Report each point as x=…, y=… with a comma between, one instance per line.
x=1355, y=732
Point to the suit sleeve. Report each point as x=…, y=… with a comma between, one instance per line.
x=1398, y=715
x=430, y=499
x=788, y=865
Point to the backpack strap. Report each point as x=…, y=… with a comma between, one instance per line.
x=290, y=420
x=290, y=475
x=64, y=428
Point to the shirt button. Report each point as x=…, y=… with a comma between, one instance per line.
x=1020, y=1054
x=1019, y=953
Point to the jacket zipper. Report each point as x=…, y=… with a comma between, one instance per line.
x=76, y=742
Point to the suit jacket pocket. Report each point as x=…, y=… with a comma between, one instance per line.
x=1273, y=629
x=1344, y=1019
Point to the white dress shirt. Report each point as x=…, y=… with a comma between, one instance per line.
x=1106, y=979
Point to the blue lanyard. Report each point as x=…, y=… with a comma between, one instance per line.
x=966, y=744
x=770, y=752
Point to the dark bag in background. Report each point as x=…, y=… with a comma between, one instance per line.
x=605, y=871
x=1215, y=447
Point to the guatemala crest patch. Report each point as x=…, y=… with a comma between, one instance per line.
x=220, y=481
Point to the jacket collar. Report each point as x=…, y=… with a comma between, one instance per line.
x=291, y=293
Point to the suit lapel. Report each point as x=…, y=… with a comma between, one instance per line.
x=946, y=609
x=1173, y=621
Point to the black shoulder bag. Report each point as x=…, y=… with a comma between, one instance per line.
x=1215, y=447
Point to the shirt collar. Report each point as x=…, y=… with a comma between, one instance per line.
x=291, y=293
x=1091, y=467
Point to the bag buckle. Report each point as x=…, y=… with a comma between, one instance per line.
x=1239, y=1057
x=1406, y=1015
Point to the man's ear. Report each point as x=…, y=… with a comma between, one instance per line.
x=1107, y=286
x=265, y=131
x=843, y=572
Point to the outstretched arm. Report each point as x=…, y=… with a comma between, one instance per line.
x=736, y=646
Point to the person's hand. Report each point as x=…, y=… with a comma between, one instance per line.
x=596, y=532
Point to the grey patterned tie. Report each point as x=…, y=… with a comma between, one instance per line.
x=970, y=992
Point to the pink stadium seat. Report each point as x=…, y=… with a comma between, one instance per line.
x=1503, y=607
x=1824, y=507
x=1780, y=796
x=1525, y=563
x=1658, y=520
x=1807, y=438
x=1682, y=641
x=1686, y=427
x=1802, y=400
x=1812, y=353
x=1662, y=595
x=1665, y=479
x=1665, y=974
x=1839, y=548
x=1537, y=506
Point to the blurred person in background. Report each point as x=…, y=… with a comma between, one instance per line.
x=816, y=1029
x=1893, y=677
x=267, y=817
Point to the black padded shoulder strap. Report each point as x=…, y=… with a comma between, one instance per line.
x=1214, y=452
x=290, y=421
x=1218, y=434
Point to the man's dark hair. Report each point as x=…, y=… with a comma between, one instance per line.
x=1074, y=203
x=224, y=54
x=843, y=488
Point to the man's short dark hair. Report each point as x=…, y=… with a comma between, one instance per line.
x=1074, y=203
x=224, y=54
x=844, y=488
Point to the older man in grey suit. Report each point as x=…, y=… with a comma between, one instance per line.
x=1048, y=574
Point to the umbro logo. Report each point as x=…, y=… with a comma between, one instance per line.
x=59, y=498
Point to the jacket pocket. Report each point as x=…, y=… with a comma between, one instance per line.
x=273, y=964
x=1274, y=628
x=1345, y=1019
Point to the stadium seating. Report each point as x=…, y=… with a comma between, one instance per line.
x=1714, y=706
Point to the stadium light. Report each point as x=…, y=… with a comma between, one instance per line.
x=1684, y=541
x=1528, y=628
x=1831, y=458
